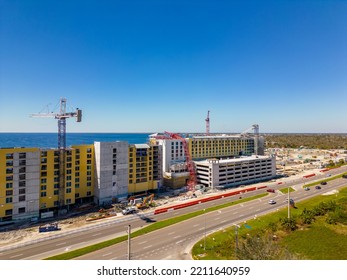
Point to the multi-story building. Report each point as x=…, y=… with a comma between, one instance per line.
x=201, y=147
x=19, y=181
x=144, y=168
x=103, y=172
x=232, y=172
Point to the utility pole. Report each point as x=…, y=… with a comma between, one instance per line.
x=129, y=233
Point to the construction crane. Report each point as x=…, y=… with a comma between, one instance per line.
x=207, y=120
x=255, y=129
x=61, y=116
x=192, y=182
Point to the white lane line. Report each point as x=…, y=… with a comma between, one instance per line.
x=143, y=242
x=60, y=244
x=196, y=225
x=147, y=247
x=217, y=219
x=96, y=234
x=171, y=233
x=178, y=236
x=107, y=254
x=16, y=256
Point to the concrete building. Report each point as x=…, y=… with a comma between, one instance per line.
x=233, y=172
x=111, y=167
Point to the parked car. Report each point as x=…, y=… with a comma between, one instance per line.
x=344, y=176
x=317, y=187
x=270, y=190
x=323, y=183
x=306, y=189
x=272, y=201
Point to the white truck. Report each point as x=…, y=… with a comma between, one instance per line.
x=129, y=210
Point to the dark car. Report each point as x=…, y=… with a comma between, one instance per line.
x=317, y=187
x=307, y=189
x=270, y=190
x=344, y=176
x=323, y=183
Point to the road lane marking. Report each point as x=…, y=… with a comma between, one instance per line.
x=96, y=234
x=218, y=218
x=16, y=256
x=178, y=236
x=60, y=244
x=107, y=254
x=196, y=225
x=143, y=242
x=171, y=233
x=147, y=247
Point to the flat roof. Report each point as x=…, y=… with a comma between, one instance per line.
x=254, y=157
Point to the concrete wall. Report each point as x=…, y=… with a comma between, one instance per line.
x=111, y=160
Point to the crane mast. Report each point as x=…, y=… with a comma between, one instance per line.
x=207, y=120
x=61, y=117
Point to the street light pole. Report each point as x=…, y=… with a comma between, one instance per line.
x=204, y=229
x=236, y=239
x=129, y=232
x=288, y=204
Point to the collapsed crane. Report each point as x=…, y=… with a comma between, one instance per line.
x=61, y=116
x=192, y=181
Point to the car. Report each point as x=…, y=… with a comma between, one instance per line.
x=323, y=183
x=344, y=176
x=306, y=189
x=272, y=201
x=270, y=190
x=317, y=187
x=328, y=175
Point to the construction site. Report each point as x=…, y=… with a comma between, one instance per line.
x=118, y=178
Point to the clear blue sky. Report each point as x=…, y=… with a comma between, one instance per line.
x=154, y=65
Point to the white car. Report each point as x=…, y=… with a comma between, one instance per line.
x=272, y=201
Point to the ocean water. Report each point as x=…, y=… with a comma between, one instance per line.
x=50, y=140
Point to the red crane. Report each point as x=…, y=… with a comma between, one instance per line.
x=192, y=182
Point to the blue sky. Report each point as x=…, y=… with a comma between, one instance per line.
x=154, y=65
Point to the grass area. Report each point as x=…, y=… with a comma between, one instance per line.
x=327, y=179
x=285, y=190
x=150, y=228
x=318, y=240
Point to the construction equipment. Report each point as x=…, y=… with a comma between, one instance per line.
x=144, y=204
x=192, y=182
x=208, y=123
x=61, y=116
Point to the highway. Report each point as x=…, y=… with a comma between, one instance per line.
x=173, y=242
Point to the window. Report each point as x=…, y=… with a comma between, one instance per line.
x=43, y=181
x=9, y=163
x=9, y=178
x=8, y=199
x=9, y=185
x=21, y=198
x=68, y=171
x=68, y=178
x=56, y=186
x=68, y=190
x=89, y=150
x=22, y=170
x=8, y=212
x=44, y=174
x=89, y=178
x=43, y=187
x=68, y=184
x=43, y=194
x=89, y=161
x=21, y=191
x=77, y=195
x=9, y=170
x=9, y=192
x=9, y=156
x=89, y=173
x=22, y=183
x=77, y=186
x=77, y=180
x=89, y=155
x=21, y=210
x=89, y=193
x=56, y=192
x=68, y=201
x=22, y=155
x=89, y=184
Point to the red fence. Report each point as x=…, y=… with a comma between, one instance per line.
x=206, y=199
x=308, y=176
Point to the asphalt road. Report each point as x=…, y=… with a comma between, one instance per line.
x=173, y=242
